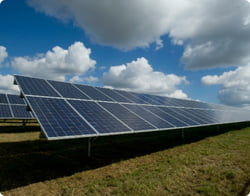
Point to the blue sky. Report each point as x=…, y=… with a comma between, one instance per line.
x=197, y=50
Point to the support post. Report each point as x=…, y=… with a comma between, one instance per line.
x=218, y=129
x=182, y=134
x=89, y=147
x=24, y=122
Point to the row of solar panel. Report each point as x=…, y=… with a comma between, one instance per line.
x=77, y=118
x=48, y=88
x=12, y=106
x=11, y=99
x=8, y=111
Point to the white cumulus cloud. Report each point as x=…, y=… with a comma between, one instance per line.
x=58, y=63
x=6, y=81
x=139, y=76
x=6, y=84
x=213, y=33
x=235, y=86
x=3, y=54
x=159, y=44
x=79, y=79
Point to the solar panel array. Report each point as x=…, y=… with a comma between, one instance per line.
x=13, y=107
x=66, y=110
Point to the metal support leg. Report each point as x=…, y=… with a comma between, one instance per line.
x=89, y=147
x=24, y=122
x=182, y=134
x=218, y=129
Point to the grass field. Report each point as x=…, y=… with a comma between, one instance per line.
x=215, y=163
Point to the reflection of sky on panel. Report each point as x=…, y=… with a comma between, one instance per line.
x=232, y=116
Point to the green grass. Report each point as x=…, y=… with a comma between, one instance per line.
x=143, y=164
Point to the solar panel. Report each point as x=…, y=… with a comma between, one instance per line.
x=37, y=87
x=20, y=111
x=93, y=93
x=3, y=98
x=138, y=98
x=15, y=99
x=207, y=114
x=174, y=119
x=68, y=90
x=149, y=116
x=133, y=97
x=66, y=110
x=58, y=118
x=189, y=114
x=114, y=95
x=162, y=100
x=13, y=107
x=98, y=117
x=5, y=111
x=147, y=99
x=134, y=121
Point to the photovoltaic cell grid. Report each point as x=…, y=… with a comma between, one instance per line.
x=58, y=118
x=66, y=110
x=13, y=107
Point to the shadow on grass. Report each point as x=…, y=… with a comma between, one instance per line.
x=19, y=129
x=245, y=188
x=23, y=163
x=18, y=125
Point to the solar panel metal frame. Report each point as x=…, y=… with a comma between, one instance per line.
x=120, y=103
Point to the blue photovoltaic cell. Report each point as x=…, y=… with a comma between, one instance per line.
x=67, y=90
x=34, y=86
x=192, y=104
x=200, y=105
x=13, y=107
x=148, y=99
x=15, y=99
x=162, y=100
x=98, y=117
x=175, y=102
x=131, y=96
x=135, y=97
x=188, y=104
x=93, y=93
x=127, y=117
x=3, y=98
x=190, y=113
x=177, y=114
x=58, y=118
x=20, y=111
x=5, y=111
x=173, y=119
x=207, y=114
x=114, y=95
x=150, y=117
x=178, y=103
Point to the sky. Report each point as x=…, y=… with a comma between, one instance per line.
x=188, y=49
